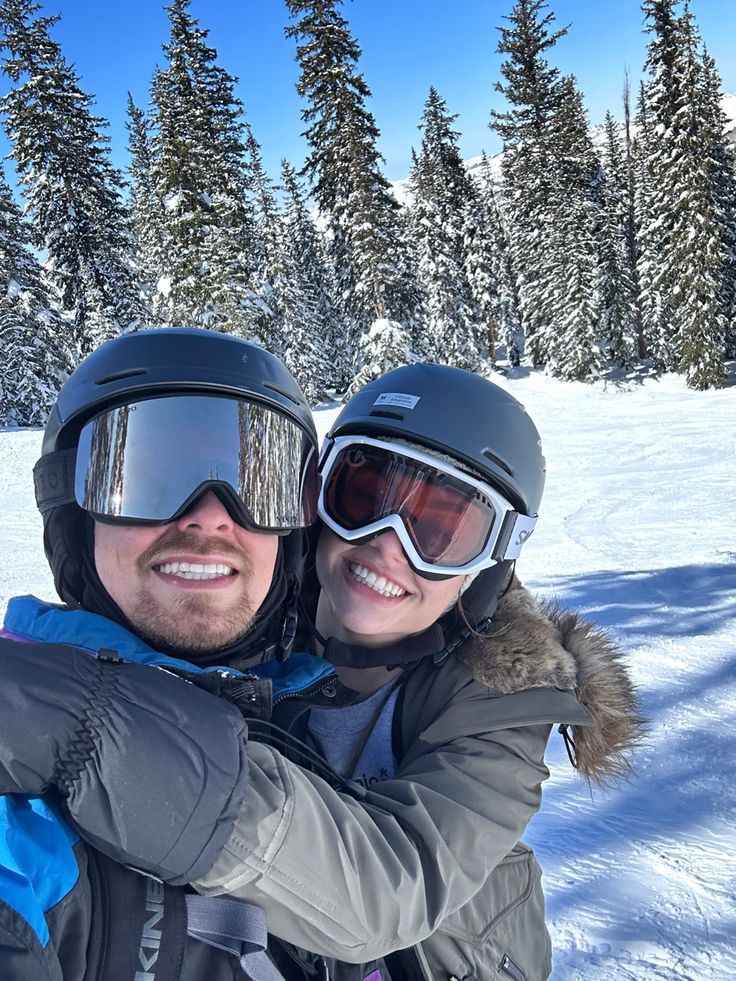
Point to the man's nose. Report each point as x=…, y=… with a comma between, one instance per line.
x=208, y=514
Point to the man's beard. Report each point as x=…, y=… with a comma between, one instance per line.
x=189, y=622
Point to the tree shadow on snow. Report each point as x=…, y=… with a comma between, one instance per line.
x=612, y=850
x=673, y=602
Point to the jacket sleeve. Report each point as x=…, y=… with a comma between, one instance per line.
x=356, y=879
x=152, y=770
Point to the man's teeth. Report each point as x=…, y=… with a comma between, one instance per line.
x=378, y=583
x=195, y=570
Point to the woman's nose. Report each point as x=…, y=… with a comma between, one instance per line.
x=389, y=545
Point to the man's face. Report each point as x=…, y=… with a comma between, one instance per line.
x=195, y=583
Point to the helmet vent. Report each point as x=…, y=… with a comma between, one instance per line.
x=387, y=415
x=281, y=391
x=498, y=461
x=121, y=374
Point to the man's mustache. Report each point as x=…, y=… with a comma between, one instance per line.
x=180, y=541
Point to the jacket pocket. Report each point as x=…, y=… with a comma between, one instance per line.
x=500, y=933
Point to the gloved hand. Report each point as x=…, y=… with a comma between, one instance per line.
x=152, y=769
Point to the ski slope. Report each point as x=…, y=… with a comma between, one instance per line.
x=638, y=532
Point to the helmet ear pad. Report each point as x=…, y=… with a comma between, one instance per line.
x=481, y=598
x=67, y=535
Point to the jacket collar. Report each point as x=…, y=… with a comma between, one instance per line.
x=29, y=618
x=531, y=645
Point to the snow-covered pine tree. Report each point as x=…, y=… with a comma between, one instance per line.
x=384, y=347
x=533, y=89
x=724, y=163
x=697, y=241
x=442, y=192
x=489, y=268
x=649, y=238
x=198, y=171
x=344, y=164
x=73, y=193
x=569, y=338
x=629, y=197
x=35, y=356
x=266, y=249
x=683, y=236
x=616, y=287
x=145, y=205
x=656, y=136
x=306, y=305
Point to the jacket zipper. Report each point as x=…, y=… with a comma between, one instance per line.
x=510, y=969
x=314, y=689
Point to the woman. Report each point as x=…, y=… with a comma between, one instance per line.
x=413, y=866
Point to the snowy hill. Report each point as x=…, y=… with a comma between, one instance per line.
x=636, y=531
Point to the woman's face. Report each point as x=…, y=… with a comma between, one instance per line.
x=370, y=594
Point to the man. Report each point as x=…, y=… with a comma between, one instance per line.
x=177, y=475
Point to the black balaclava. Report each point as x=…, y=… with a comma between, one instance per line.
x=69, y=545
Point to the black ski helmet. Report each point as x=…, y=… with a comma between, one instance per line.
x=140, y=365
x=175, y=361
x=475, y=422
x=457, y=413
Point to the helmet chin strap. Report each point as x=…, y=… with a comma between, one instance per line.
x=407, y=651
x=271, y=634
x=439, y=640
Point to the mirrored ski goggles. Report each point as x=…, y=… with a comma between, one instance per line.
x=448, y=522
x=150, y=460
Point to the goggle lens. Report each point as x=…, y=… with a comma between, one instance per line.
x=144, y=461
x=448, y=521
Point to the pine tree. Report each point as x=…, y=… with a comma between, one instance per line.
x=617, y=311
x=684, y=237
x=384, y=347
x=724, y=163
x=655, y=120
x=146, y=210
x=439, y=221
x=697, y=240
x=198, y=173
x=569, y=339
x=629, y=195
x=344, y=165
x=34, y=350
x=489, y=268
x=73, y=193
x=307, y=309
x=533, y=89
x=270, y=274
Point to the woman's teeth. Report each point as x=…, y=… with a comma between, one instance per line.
x=377, y=583
x=195, y=570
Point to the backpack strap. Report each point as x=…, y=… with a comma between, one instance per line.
x=236, y=927
x=138, y=925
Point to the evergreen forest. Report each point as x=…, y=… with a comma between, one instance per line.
x=586, y=258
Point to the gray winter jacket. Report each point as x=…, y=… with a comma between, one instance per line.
x=433, y=860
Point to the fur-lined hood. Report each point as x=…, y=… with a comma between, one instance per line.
x=538, y=645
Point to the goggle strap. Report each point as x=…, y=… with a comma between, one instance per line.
x=514, y=532
x=53, y=479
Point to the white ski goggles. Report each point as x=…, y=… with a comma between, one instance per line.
x=448, y=522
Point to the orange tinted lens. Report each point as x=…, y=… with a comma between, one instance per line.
x=447, y=519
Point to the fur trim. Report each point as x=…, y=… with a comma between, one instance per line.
x=533, y=645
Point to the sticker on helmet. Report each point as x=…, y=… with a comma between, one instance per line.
x=397, y=398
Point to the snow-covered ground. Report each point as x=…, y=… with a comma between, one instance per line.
x=638, y=532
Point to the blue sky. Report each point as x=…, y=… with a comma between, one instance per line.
x=407, y=45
